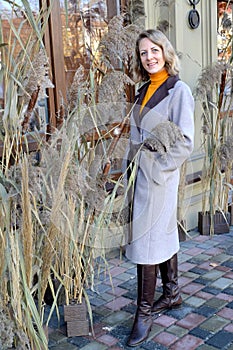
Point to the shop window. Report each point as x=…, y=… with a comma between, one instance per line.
x=12, y=18
x=72, y=36
x=224, y=46
x=83, y=25
x=224, y=37
x=18, y=40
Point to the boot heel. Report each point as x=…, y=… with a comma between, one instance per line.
x=140, y=331
x=175, y=307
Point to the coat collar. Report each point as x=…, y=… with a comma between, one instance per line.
x=157, y=97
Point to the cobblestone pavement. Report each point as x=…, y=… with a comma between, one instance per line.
x=204, y=322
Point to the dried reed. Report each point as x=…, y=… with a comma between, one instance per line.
x=48, y=250
x=27, y=228
x=14, y=275
x=48, y=212
x=217, y=127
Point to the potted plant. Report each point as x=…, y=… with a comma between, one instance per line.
x=214, y=92
x=216, y=105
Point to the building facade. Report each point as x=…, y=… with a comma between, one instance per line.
x=193, y=26
x=195, y=29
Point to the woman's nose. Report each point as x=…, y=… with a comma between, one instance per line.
x=149, y=55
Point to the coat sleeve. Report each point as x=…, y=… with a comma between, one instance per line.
x=181, y=112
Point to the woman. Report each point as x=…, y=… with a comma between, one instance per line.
x=161, y=139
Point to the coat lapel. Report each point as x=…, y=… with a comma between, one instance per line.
x=138, y=100
x=157, y=97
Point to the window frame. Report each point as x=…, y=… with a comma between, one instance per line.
x=54, y=47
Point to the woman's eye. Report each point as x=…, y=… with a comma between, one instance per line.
x=143, y=53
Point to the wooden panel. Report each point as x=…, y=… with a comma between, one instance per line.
x=55, y=50
x=77, y=328
x=74, y=312
x=108, y=133
x=30, y=142
x=54, y=44
x=112, y=8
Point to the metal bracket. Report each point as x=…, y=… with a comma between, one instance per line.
x=194, y=17
x=194, y=2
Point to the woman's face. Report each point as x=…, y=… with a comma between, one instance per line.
x=151, y=55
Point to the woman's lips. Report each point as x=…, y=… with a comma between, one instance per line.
x=152, y=64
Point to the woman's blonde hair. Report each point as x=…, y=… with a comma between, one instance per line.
x=172, y=64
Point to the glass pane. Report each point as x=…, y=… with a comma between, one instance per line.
x=224, y=45
x=6, y=8
x=224, y=30
x=12, y=18
x=83, y=25
x=20, y=51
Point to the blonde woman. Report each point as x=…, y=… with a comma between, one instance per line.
x=161, y=139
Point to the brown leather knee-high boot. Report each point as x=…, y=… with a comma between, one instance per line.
x=171, y=297
x=146, y=275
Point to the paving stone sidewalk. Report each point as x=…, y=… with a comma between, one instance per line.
x=204, y=322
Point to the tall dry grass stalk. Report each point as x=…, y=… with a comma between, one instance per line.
x=212, y=91
x=15, y=275
x=51, y=214
x=181, y=208
x=27, y=225
x=17, y=264
x=3, y=250
x=48, y=247
x=65, y=267
x=4, y=227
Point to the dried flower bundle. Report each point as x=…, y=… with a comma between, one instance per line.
x=9, y=334
x=165, y=135
x=135, y=12
x=112, y=87
x=226, y=150
x=210, y=78
x=52, y=214
x=166, y=3
x=78, y=89
x=211, y=91
x=163, y=26
x=117, y=42
x=37, y=75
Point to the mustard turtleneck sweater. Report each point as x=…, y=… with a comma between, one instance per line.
x=156, y=80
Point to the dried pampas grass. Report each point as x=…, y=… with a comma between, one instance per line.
x=53, y=230
x=165, y=136
x=27, y=226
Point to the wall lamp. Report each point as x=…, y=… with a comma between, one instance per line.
x=194, y=17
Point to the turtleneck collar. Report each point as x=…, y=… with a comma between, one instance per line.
x=159, y=77
x=156, y=80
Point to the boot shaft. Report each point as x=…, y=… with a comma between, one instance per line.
x=171, y=297
x=169, y=276
x=146, y=276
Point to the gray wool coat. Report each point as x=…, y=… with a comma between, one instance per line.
x=154, y=232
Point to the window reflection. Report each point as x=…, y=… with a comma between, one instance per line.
x=6, y=8
x=12, y=12
x=224, y=30
x=83, y=25
x=224, y=45
x=19, y=53
x=12, y=19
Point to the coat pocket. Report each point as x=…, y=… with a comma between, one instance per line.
x=161, y=176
